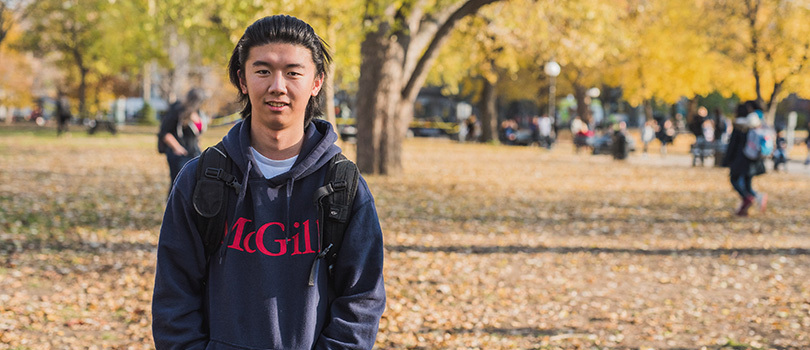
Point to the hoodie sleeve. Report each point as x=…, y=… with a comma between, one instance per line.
x=177, y=302
x=360, y=293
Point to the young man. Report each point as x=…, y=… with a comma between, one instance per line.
x=254, y=292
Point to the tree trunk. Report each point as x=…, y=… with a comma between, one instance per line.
x=691, y=111
x=371, y=101
x=83, y=93
x=83, y=71
x=489, y=113
x=583, y=109
x=396, y=57
x=147, y=81
x=648, y=110
x=752, y=12
x=5, y=20
x=770, y=111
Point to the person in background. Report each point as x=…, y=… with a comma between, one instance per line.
x=648, y=134
x=544, y=124
x=63, y=115
x=180, y=130
x=807, y=143
x=741, y=169
x=696, y=124
x=708, y=130
x=720, y=126
x=780, y=151
x=470, y=125
x=666, y=134
x=509, y=128
x=619, y=141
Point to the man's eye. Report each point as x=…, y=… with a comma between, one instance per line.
x=295, y=74
x=263, y=72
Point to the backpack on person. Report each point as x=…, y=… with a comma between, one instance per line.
x=759, y=143
x=216, y=188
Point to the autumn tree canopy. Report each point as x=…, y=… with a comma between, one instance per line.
x=385, y=51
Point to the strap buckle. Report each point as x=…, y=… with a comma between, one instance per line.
x=214, y=173
x=221, y=175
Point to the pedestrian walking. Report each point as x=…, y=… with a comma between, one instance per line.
x=648, y=134
x=267, y=286
x=470, y=126
x=695, y=125
x=666, y=134
x=544, y=128
x=780, y=157
x=807, y=143
x=741, y=169
x=180, y=130
x=619, y=148
x=720, y=126
x=63, y=115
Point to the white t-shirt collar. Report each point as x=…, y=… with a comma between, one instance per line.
x=271, y=168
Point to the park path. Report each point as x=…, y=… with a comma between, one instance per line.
x=795, y=165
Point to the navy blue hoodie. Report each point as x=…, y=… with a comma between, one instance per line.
x=254, y=292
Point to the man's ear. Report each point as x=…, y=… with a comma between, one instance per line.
x=318, y=85
x=242, y=85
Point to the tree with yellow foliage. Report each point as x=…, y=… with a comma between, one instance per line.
x=15, y=88
x=487, y=58
x=765, y=45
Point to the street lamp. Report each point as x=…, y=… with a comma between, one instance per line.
x=552, y=69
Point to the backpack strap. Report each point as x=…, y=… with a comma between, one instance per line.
x=334, y=201
x=212, y=195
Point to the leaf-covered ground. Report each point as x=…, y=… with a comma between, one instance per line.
x=487, y=247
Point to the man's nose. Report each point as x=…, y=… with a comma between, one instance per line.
x=277, y=85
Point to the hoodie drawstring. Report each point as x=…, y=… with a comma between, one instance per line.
x=290, y=184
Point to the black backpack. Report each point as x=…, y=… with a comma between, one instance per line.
x=217, y=187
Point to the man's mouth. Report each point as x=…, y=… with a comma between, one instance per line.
x=276, y=104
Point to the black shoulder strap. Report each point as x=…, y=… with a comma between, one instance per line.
x=212, y=194
x=334, y=200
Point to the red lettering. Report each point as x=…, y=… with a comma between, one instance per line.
x=307, y=242
x=238, y=227
x=247, y=242
x=260, y=240
x=302, y=240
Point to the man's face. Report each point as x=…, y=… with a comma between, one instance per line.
x=279, y=79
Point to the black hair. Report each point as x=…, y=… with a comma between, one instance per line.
x=194, y=100
x=742, y=110
x=280, y=29
x=753, y=105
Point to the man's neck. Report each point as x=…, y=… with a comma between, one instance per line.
x=276, y=144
